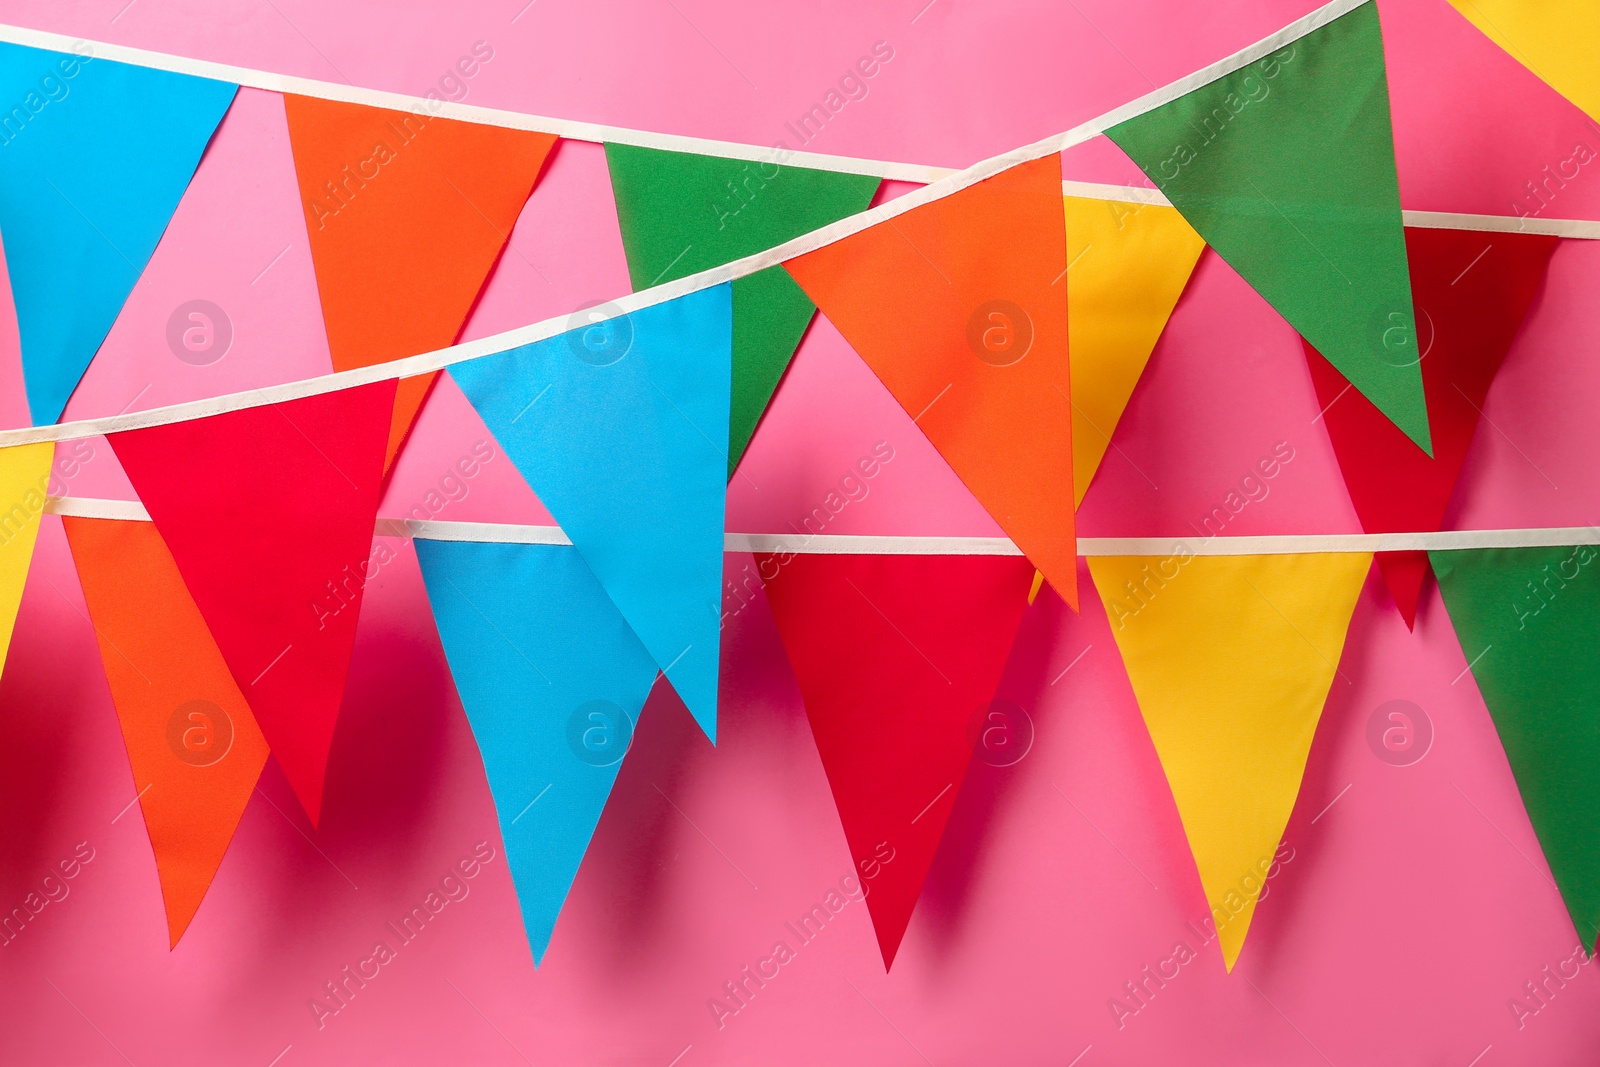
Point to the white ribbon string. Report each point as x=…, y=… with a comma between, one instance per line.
x=837, y=544
x=427, y=362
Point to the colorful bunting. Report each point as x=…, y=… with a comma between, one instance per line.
x=1528, y=620
x=86, y=189
x=960, y=308
x=620, y=427
x=897, y=658
x=1189, y=628
x=226, y=624
x=1286, y=168
x=682, y=213
x=295, y=488
x=24, y=482
x=407, y=213
x=228, y=301
x=1129, y=263
x=1556, y=39
x=195, y=748
x=553, y=681
x=1473, y=290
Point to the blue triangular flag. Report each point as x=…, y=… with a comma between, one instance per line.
x=553, y=680
x=621, y=429
x=94, y=156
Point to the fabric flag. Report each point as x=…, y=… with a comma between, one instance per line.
x=1555, y=39
x=1129, y=263
x=195, y=749
x=1286, y=167
x=682, y=213
x=1473, y=290
x=86, y=189
x=960, y=308
x=24, y=483
x=1528, y=620
x=619, y=428
x=553, y=681
x=268, y=513
x=1231, y=658
x=407, y=214
x=897, y=658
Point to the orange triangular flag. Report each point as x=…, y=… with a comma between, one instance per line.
x=195, y=748
x=960, y=308
x=407, y=214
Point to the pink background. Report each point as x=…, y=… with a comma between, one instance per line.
x=1415, y=907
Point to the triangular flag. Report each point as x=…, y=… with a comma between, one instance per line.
x=1473, y=290
x=897, y=658
x=1528, y=620
x=269, y=513
x=682, y=213
x=195, y=748
x=960, y=308
x=24, y=483
x=1556, y=39
x=620, y=427
x=1286, y=167
x=553, y=681
x=1128, y=264
x=1189, y=629
x=86, y=189
x=407, y=214
x=228, y=301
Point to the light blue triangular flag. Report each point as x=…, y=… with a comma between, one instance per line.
x=94, y=157
x=621, y=428
x=553, y=680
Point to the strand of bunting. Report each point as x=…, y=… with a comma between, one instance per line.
x=628, y=429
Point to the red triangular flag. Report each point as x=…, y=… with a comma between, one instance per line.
x=1471, y=291
x=960, y=308
x=897, y=658
x=407, y=214
x=269, y=514
x=195, y=749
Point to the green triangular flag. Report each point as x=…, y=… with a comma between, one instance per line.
x=682, y=213
x=1286, y=168
x=1528, y=620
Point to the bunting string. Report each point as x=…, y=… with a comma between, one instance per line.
x=947, y=184
x=920, y=173
x=890, y=545
x=600, y=133
x=1579, y=229
x=557, y=633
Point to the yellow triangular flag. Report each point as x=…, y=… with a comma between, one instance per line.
x=1556, y=39
x=1127, y=266
x=24, y=481
x=1231, y=658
